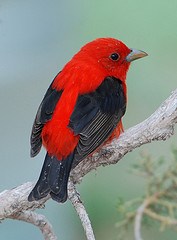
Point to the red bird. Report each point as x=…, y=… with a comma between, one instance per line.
x=81, y=110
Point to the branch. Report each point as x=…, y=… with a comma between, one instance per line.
x=39, y=221
x=138, y=220
x=15, y=200
x=14, y=205
x=159, y=126
x=74, y=197
x=139, y=215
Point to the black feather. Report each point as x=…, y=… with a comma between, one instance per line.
x=41, y=188
x=43, y=115
x=96, y=115
x=53, y=179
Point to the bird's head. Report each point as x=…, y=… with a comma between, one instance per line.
x=109, y=55
x=101, y=58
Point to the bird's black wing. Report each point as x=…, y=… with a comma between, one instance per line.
x=96, y=115
x=44, y=114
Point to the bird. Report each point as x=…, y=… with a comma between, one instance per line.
x=81, y=111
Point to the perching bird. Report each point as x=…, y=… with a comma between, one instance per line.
x=81, y=110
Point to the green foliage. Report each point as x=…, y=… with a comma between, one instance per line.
x=159, y=202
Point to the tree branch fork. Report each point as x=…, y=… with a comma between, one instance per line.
x=159, y=126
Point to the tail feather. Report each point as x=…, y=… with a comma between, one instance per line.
x=53, y=179
x=62, y=195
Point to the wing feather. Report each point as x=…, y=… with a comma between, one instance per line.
x=96, y=115
x=44, y=114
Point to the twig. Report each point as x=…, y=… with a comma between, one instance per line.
x=143, y=209
x=138, y=219
x=163, y=219
x=74, y=197
x=39, y=221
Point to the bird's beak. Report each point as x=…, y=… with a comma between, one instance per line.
x=135, y=54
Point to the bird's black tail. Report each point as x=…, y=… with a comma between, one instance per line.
x=53, y=179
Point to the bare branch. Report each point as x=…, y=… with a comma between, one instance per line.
x=39, y=221
x=14, y=205
x=15, y=200
x=74, y=197
x=138, y=219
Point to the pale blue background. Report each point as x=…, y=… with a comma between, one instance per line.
x=36, y=39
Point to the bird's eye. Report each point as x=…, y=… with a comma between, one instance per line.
x=114, y=56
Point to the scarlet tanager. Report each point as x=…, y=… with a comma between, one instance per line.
x=81, y=110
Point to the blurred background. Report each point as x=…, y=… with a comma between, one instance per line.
x=36, y=39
